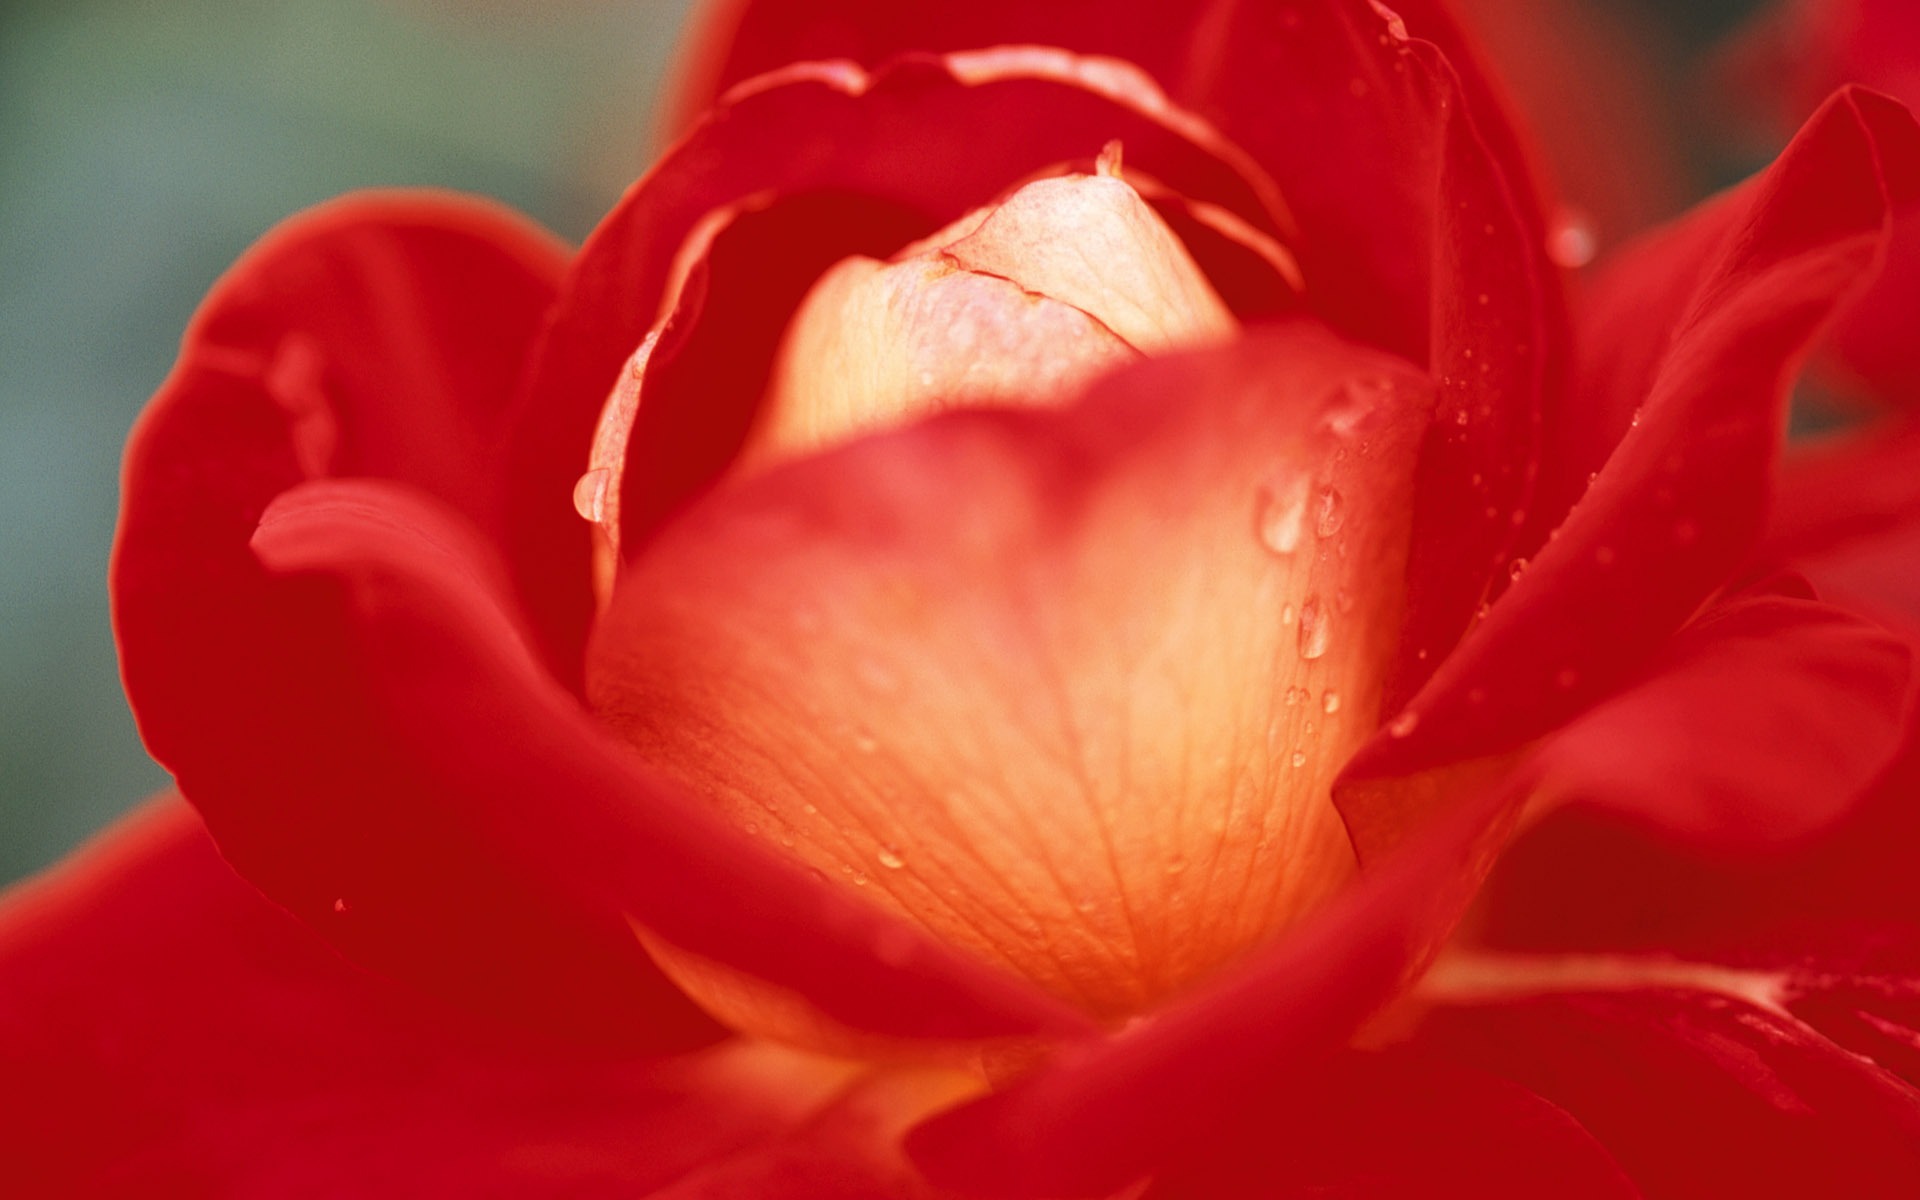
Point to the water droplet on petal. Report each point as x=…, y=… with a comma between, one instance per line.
x=1287, y=615
x=890, y=858
x=1516, y=569
x=1330, y=702
x=1313, y=629
x=340, y=905
x=590, y=495
x=1328, y=516
x=1404, y=724
x=864, y=742
x=1299, y=758
x=1281, y=516
x=1571, y=242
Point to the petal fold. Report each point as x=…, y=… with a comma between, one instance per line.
x=378, y=336
x=1762, y=723
x=1680, y=501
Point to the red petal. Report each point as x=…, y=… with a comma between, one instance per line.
x=905, y=142
x=1800, y=51
x=1105, y=1113
x=1393, y=1123
x=427, y=707
x=164, y=1030
x=377, y=335
x=1680, y=501
x=1703, y=1080
x=1761, y=723
x=1319, y=92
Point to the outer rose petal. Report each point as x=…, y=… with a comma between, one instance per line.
x=165, y=1030
x=1849, y=517
x=1761, y=724
x=1680, y=501
x=428, y=691
x=378, y=335
x=1797, y=53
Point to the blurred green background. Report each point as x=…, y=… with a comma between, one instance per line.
x=145, y=143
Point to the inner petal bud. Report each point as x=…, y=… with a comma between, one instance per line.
x=1068, y=687
x=1020, y=303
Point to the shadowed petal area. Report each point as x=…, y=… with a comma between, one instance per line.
x=1761, y=724
x=378, y=336
x=1380, y=1125
x=1790, y=1074
x=1680, y=501
x=166, y=1030
x=1066, y=687
x=426, y=690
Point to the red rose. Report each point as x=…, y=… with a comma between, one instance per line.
x=1063, y=797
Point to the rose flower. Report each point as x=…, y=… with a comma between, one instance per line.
x=981, y=638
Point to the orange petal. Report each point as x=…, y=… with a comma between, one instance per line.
x=1024, y=301
x=1066, y=687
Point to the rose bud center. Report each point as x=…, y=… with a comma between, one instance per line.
x=1017, y=303
x=1079, y=720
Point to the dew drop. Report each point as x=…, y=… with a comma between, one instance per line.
x=864, y=742
x=1330, y=703
x=889, y=858
x=1280, y=516
x=1313, y=629
x=590, y=495
x=1299, y=758
x=340, y=905
x=1287, y=615
x=1571, y=242
x=1404, y=724
x=1176, y=865
x=1329, y=514
x=1516, y=569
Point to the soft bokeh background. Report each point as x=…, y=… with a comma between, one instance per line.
x=145, y=143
